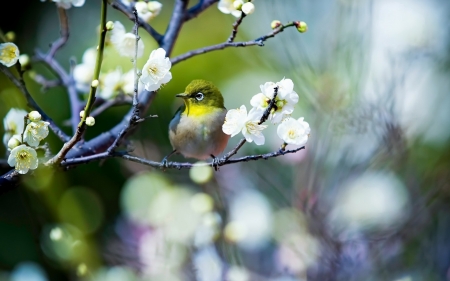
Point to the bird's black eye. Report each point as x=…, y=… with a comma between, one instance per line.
x=199, y=96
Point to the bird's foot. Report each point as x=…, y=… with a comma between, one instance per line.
x=215, y=162
x=164, y=163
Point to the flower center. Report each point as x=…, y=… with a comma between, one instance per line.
x=8, y=52
x=292, y=134
x=252, y=127
x=153, y=69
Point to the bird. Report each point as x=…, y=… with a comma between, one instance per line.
x=195, y=130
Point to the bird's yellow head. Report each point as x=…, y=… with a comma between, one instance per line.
x=201, y=97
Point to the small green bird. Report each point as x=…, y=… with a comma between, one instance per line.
x=196, y=129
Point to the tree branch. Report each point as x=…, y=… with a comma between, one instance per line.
x=258, y=41
x=129, y=13
x=236, y=25
x=175, y=165
x=176, y=22
x=75, y=105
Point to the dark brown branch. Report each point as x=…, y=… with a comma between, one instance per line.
x=197, y=9
x=272, y=105
x=129, y=13
x=64, y=31
x=20, y=84
x=258, y=41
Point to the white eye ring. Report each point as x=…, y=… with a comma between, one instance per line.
x=199, y=96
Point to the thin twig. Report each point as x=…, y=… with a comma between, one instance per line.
x=236, y=25
x=129, y=13
x=258, y=41
x=64, y=31
x=272, y=105
x=32, y=103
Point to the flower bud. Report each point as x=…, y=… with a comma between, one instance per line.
x=275, y=24
x=13, y=142
x=24, y=60
x=90, y=121
x=109, y=25
x=82, y=114
x=94, y=83
x=34, y=116
x=238, y=4
x=10, y=36
x=302, y=27
x=248, y=8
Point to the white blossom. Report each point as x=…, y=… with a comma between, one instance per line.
x=285, y=100
x=294, y=131
x=125, y=42
x=35, y=132
x=13, y=123
x=237, y=121
x=9, y=54
x=34, y=116
x=66, y=4
x=227, y=7
x=156, y=70
x=23, y=158
x=128, y=83
x=111, y=84
x=90, y=121
x=83, y=73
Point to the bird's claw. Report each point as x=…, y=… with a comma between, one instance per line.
x=164, y=163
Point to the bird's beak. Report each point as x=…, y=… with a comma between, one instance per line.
x=182, y=95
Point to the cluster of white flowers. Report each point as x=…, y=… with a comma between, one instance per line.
x=9, y=54
x=236, y=7
x=22, y=143
x=290, y=130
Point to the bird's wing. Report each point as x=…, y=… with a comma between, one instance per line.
x=176, y=119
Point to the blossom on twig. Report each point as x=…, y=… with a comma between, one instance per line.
x=125, y=42
x=35, y=132
x=294, y=131
x=284, y=101
x=237, y=121
x=13, y=123
x=228, y=7
x=9, y=54
x=23, y=158
x=156, y=70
